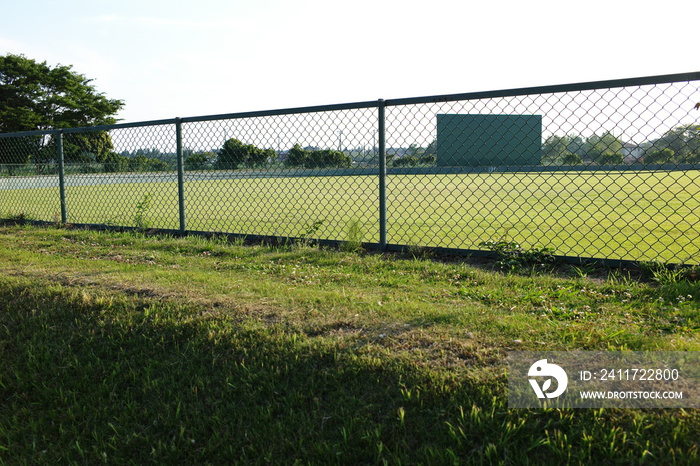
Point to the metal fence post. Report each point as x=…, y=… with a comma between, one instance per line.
x=61, y=176
x=180, y=175
x=382, y=176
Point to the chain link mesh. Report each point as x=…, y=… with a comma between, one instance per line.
x=135, y=186
x=609, y=173
x=314, y=191
x=615, y=176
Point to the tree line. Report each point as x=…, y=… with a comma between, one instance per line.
x=94, y=152
x=676, y=146
x=234, y=154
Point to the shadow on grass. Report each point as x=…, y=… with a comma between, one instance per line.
x=90, y=378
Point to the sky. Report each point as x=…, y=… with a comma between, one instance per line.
x=173, y=58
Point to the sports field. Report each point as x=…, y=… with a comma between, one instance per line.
x=636, y=215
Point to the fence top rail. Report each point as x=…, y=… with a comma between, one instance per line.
x=552, y=89
x=84, y=129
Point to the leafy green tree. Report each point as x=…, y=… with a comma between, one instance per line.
x=199, y=160
x=610, y=158
x=607, y=143
x=258, y=158
x=660, y=156
x=234, y=154
x=93, y=146
x=115, y=163
x=21, y=150
x=570, y=158
x=141, y=163
x=296, y=157
x=317, y=158
x=575, y=145
x=684, y=141
x=553, y=149
x=427, y=159
x=327, y=158
x=151, y=153
x=415, y=150
x=231, y=155
x=406, y=161
x=562, y=150
x=35, y=96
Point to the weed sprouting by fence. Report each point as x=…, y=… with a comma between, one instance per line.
x=606, y=170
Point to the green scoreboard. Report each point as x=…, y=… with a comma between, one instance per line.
x=489, y=140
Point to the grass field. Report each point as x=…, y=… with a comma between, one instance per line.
x=618, y=215
x=135, y=349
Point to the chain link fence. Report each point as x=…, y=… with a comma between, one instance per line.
x=607, y=170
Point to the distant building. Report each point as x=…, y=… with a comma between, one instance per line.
x=632, y=153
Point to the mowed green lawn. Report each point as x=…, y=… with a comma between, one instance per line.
x=633, y=215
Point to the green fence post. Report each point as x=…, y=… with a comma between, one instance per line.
x=382, y=177
x=180, y=175
x=61, y=177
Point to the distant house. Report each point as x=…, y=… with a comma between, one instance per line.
x=632, y=153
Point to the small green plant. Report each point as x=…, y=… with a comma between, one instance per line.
x=663, y=274
x=621, y=278
x=310, y=231
x=668, y=276
x=511, y=257
x=355, y=235
x=583, y=271
x=419, y=253
x=237, y=241
x=142, y=208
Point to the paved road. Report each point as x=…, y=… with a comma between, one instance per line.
x=51, y=181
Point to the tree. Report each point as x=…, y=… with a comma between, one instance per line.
x=428, y=159
x=570, y=158
x=576, y=145
x=318, y=158
x=553, y=149
x=431, y=149
x=258, y=158
x=415, y=150
x=683, y=141
x=562, y=150
x=92, y=146
x=141, y=163
x=660, y=156
x=235, y=153
x=607, y=143
x=406, y=161
x=34, y=96
x=115, y=163
x=610, y=158
x=231, y=155
x=328, y=158
x=297, y=156
x=198, y=160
